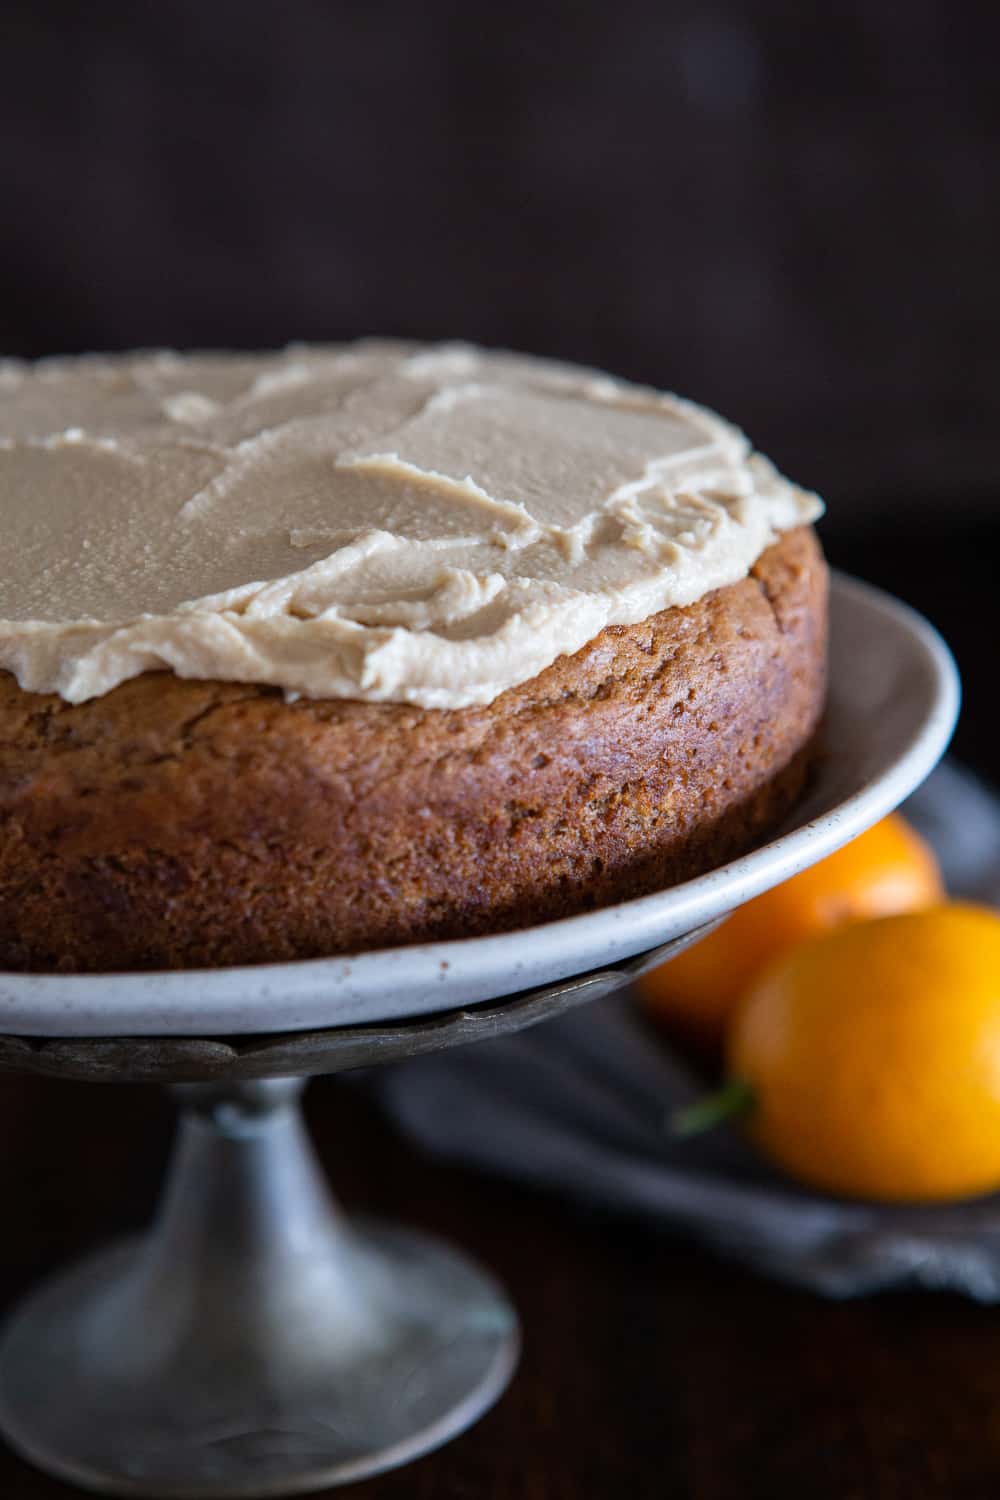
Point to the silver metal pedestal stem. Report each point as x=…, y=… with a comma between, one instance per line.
x=255, y=1344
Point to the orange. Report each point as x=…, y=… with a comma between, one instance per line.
x=872, y=1057
x=888, y=869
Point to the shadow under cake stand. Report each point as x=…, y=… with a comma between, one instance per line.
x=255, y=1343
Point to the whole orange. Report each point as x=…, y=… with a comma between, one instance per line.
x=887, y=869
x=872, y=1057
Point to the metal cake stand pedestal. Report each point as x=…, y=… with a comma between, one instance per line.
x=256, y=1342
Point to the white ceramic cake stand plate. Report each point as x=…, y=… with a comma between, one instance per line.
x=893, y=701
x=254, y=1344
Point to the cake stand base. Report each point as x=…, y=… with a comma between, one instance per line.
x=255, y=1343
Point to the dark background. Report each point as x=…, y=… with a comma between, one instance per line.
x=788, y=212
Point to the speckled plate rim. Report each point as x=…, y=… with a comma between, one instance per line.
x=893, y=703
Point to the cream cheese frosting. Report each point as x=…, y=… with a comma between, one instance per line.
x=378, y=521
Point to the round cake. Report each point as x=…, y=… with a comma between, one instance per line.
x=342, y=648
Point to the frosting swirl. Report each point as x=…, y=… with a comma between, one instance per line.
x=379, y=521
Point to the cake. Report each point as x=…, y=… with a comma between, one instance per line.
x=347, y=647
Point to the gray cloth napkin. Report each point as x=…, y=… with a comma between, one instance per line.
x=578, y=1105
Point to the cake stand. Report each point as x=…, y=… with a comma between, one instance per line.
x=255, y=1343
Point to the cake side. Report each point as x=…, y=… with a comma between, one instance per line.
x=184, y=823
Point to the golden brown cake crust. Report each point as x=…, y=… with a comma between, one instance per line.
x=174, y=823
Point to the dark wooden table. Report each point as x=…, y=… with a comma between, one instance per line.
x=649, y=1369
